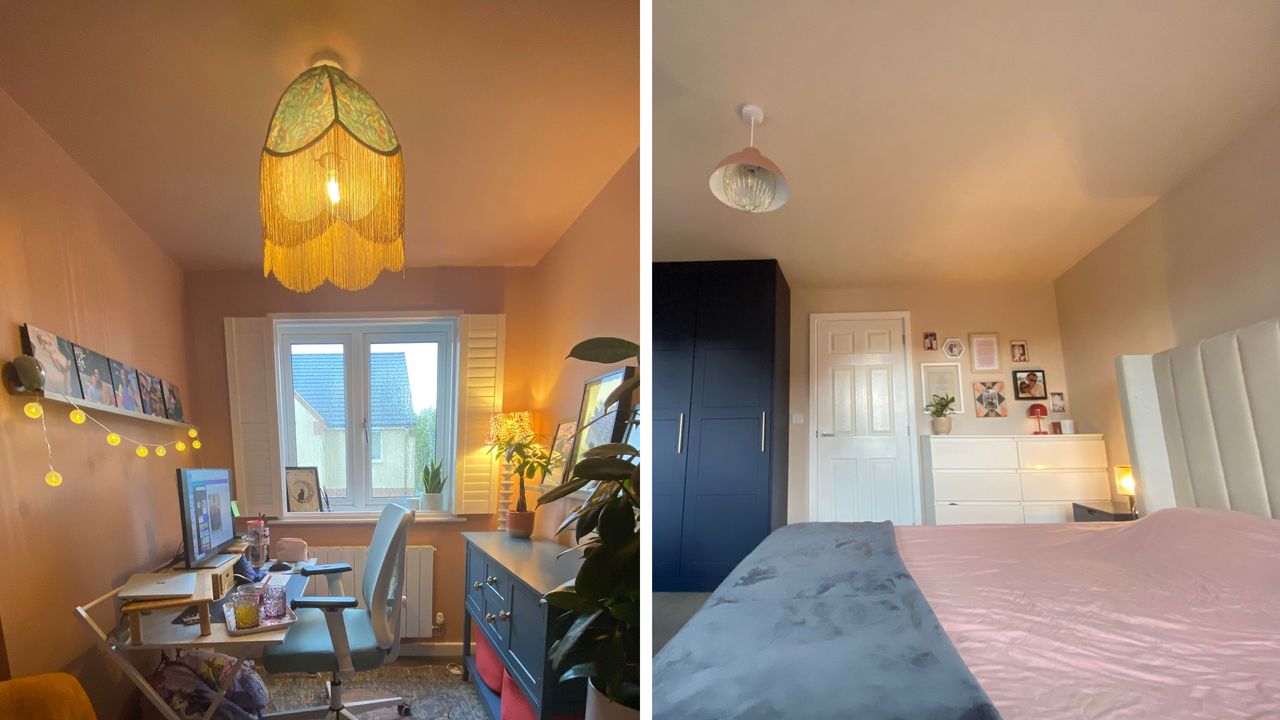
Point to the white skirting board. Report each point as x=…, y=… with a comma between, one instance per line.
x=419, y=573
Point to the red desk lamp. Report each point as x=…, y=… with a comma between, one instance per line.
x=1037, y=411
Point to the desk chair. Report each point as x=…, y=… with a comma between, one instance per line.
x=332, y=635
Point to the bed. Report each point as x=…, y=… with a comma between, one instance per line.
x=1175, y=616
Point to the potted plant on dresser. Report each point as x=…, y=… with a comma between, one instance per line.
x=433, y=480
x=600, y=630
x=528, y=459
x=942, y=408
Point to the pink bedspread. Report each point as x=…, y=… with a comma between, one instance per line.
x=1176, y=615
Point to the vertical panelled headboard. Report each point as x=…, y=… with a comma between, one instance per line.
x=1203, y=422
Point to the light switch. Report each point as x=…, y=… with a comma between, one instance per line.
x=797, y=419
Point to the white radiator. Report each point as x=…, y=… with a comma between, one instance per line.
x=416, y=620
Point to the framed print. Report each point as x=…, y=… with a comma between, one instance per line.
x=1029, y=385
x=941, y=379
x=985, y=349
x=152, y=394
x=953, y=347
x=988, y=399
x=931, y=341
x=302, y=488
x=56, y=357
x=125, y=380
x=173, y=402
x=1057, y=402
x=562, y=447
x=95, y=376
x=1018, y=351
x=597, y=423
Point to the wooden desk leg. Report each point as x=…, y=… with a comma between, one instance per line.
x=135, y=628
x=206, y=622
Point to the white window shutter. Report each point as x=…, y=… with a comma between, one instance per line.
x=255, y=427
x=480, y=394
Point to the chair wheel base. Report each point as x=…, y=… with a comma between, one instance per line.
x=404, y=710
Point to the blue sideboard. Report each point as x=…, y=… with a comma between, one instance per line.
x=505, y=581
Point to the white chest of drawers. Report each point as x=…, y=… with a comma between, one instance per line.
x=1011, y=478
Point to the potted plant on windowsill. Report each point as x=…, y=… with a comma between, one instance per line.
x=433, y=480
x=599, y=634
x=529, y=459
x=941, y=408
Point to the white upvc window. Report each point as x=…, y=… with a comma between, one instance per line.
x=368, y=402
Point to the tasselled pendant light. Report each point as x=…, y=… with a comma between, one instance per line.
x=747, y=180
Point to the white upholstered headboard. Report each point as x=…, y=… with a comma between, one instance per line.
x=1203, y=422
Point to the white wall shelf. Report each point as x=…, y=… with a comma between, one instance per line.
x=111, y=409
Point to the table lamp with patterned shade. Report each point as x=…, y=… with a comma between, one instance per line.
x=331, y=185
x=504, y=429
x=1126, y=485
x=1037, y=411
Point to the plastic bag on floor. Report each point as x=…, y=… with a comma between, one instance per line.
x=190, y=683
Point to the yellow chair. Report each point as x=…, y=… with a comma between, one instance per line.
x=52, y=696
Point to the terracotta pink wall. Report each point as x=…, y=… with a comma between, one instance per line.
x=72, y=262
x=587, y=285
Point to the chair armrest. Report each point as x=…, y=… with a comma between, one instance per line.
x=324, y=603
x=309, y=570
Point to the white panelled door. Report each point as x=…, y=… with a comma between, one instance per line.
x=862, y=422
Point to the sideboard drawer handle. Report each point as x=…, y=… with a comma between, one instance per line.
x=488, y=617
x=477, y=585
x=491, y=580
x=503, y=614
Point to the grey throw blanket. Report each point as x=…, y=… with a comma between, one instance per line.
x=822, y=620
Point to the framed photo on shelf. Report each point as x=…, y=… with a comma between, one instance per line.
x=1057, y=402
x=173, y=402
x=562, y=447
x=1029, y=385
x=599, y=424
x=989, y=399
x=1018, y=351
x=985, y=352
x=302, y=488
x=56, y=357
x=152, y=394
x=95, y=376
x=125, y=379
x=940, y=379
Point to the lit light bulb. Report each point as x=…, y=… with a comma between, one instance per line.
x=180, y=446
x=1127, y=485
x=53, y=478
x=332, y=188
x=160, y=451
x=77, y=416
x=750, y=188
x=113, y=439
x=141, y=451
x=192, y=433
x=33, y=410
x=195, y=444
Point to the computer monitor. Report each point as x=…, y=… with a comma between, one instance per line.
x=204, y=497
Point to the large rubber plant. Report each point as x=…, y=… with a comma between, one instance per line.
x=600, y=630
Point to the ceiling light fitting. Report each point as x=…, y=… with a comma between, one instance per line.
x=747, y=180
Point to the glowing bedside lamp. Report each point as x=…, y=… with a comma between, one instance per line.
x=506, y=428
x=1125, y=485
x=1037, y=411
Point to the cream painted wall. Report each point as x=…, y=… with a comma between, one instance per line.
x=74, y=263
x=1202, y=260
x=1014, y=312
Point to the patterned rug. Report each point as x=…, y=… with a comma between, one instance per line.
x=425, y=683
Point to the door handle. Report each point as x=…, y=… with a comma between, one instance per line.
x=762, y=424
x=680, y=436
x=827, y=434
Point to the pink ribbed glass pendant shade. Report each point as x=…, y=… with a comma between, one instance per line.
x=747, y=180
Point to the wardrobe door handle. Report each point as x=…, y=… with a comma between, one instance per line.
x=762, y=424
x=680, y=436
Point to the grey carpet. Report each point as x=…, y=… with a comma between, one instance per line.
x=425, y=683
x=671, y=610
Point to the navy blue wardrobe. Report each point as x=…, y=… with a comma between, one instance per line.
x=721, y=355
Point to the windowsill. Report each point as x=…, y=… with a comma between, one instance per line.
x=361, y=518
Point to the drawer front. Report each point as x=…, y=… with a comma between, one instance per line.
x=979, y=513
x=497, y=581
x=475, y=579
x=496, y=618
x=1048, y=512
x=1062, y=454
x=528, y=639
x=974, y=454
x=969, y=486
x=1065, y=485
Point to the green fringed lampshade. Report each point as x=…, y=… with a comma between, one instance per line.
x=332, y=186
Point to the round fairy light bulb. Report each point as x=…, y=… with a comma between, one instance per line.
x=53, y=478
x=78, y=416
x=180, y=446
x=192, y=433
x=141, y=451
x=113, y=439
x=195, y=444
x=33, y=410
x=160, y=451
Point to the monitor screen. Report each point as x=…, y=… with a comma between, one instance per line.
x=205, y=500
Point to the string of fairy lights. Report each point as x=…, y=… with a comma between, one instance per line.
x=53, y=478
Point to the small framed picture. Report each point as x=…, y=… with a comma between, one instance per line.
x=302, y=487
x=1029, y=385
x=562, y=447
x=173, y=402
x=61, y=377
x=953, y=347
x=95, y=376
x=941, y=379
x=152, y=394
x=125, y=379
x=988, y=399
x=1057, y=402
x=931, y=341
x=986, y=352
x=1018, y=351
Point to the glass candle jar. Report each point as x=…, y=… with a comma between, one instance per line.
x=244, y=603
x=273, y=601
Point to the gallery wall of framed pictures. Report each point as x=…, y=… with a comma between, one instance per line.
x=78, y=373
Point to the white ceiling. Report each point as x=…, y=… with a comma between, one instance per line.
x=945, y=140
x=512, y=114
